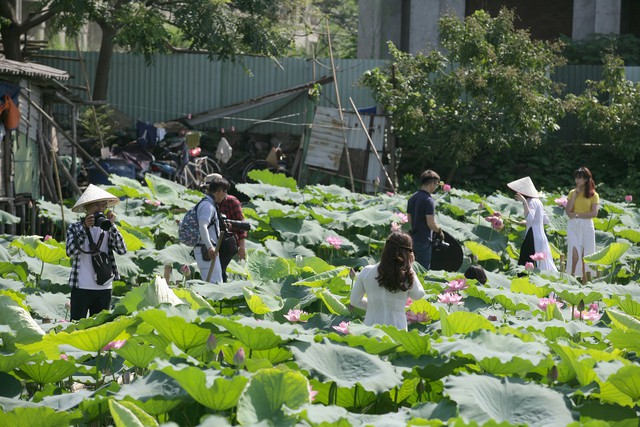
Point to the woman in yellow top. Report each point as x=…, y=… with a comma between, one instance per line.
x=582, y=207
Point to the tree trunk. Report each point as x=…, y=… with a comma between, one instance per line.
x=11, y=42
x=101, y=83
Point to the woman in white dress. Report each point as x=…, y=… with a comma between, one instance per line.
x=535, y=240
x=388, y=283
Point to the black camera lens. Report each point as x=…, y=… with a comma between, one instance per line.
x=102, y=221
x=238, y=225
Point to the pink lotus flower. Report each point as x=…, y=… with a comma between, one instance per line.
x=47, y=237
x=538, y=256
x=153, y=202
x=395, y=227
x=416, y=317
x=561, y=201
x=409, y=302
x=343, y=327
x=450, y=298
x=492, y=318
x=528, y=266
x=544, y=302
x=294, y=315
x=64, y=357
x=185, y=270
x=496, y=221
x=238, y=358
x=628, y=198
x=114, y=345
x=403, y=217
x=591, y=315
x=594, y=306
x=390, y=193
x=457, y=285
x=446, y=188
x=312, y=393
x=212, y=342
x=334, y=241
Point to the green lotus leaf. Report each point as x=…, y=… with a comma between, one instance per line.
x=167, y=191
x=52, y=211
x=40, y=416
x=612, y=394
x=345, y=366
x=277, y=179
x=207, y=387
x=508, y=304
x=372, y=216
x=139, y=353
x=630, y=306
x=424, y=306
x=575, y=298
x=8, y=362
x=627, y=380
x=625, y=339
x=480, y=251
x=582, y=361
x=506, y=399
x=371, y=345
x=461, y=322
x=49, y=306
x=50, y=254
x=333, y=303
x=262, y=267
x=149, y=295
x=19, y=320
x=156, y=393
x=268, y=391
x=46, y=372
x=195, y=300
x=270, y=192
x=127, y=187
x=496, y=354
x=7, y=218
x=127, y=414
x=92, y=339
x=611, y=413
x=631, y=235
x=287, y=249
x=10, y=386
x=412, y=341
x=300, y=231
x=257, y=338
x=608, y=255
x=524, y=285
x=321, y=279
x=190, y=338
x=19, y=270
x=623, y=321
x=353, y=398
x=132, y=242
x=261, y=303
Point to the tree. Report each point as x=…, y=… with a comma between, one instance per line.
x=490, y=91
x=219, y=28
x=609, y=110
x=70, y=12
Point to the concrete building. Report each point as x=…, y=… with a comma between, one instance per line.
x=412, y=25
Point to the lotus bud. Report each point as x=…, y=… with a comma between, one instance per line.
x=238, y=358
x=552, y=375
x=212, y=342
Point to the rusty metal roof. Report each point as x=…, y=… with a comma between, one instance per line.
x=31, y=69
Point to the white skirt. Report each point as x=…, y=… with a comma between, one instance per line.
x=581, y=235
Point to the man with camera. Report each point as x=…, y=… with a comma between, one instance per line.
x=230, y=210
x=421, y=210
x=91, y=242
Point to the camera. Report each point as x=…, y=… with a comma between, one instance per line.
x=235, y=225
x=438, y=243
x=102, y=221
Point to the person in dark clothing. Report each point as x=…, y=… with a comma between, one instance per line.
x=421, y=210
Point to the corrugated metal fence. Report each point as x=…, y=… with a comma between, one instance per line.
x=178, y=85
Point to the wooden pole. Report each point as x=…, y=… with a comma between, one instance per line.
x=335, y=83
x=373, y=147
x=66, y=135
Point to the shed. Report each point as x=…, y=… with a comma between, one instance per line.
x=29, y=164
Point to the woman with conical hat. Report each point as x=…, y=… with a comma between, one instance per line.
x=94, y=232
x=535, y=241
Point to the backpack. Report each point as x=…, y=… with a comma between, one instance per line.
x=188, y=231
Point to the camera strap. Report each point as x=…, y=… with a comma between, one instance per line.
x=94, y=247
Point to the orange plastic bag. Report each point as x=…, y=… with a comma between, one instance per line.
x=11, y=114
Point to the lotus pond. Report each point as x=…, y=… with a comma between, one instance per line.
x=278, y=345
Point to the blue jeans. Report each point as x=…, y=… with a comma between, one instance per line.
x=422, y=251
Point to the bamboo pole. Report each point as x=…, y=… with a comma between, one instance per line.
x=335, y=83
x=373, y=147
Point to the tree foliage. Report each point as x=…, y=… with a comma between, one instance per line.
x=609, y=110
x=490, y=90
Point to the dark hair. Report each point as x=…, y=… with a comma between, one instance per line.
x=395, y=271
x=219, y=184
x=429, y=176
x=589, y=185
x=476, y=272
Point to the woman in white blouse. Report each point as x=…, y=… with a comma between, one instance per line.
x=388, y=283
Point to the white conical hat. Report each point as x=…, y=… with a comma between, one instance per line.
x=94, y=194
x=211, y=177
x=524, y=186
